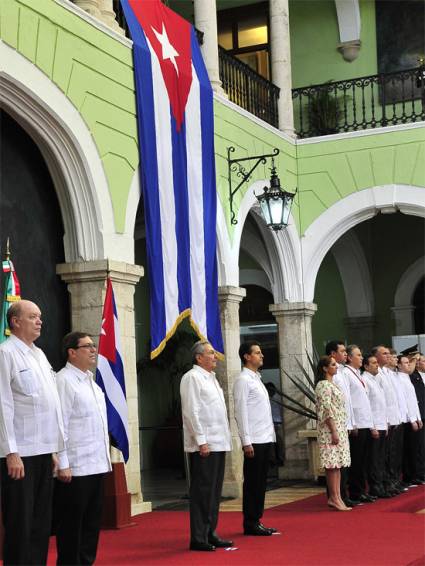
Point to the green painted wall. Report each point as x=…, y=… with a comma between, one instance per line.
x=329, y=296
x=314, y=40
x=331, y=170
x=93, y=70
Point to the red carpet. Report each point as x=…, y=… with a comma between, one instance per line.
x=385, y=533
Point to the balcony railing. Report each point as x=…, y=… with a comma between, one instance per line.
x=247, y=88
x=358, y=104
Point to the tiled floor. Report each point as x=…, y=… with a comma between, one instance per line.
x=167, y=490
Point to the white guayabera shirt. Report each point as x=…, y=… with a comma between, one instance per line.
x=204, y=412
x=252, y=409
x=85, y=422
x=30, y=414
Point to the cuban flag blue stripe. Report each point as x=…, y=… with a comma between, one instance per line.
x=149, y=175
x=110, y=374
x=209, y=197
x=182, y=214
x=178, y=178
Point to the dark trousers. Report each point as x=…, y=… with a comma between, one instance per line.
x=343, y=482
x=388, y=476
x=376, y=463
x=254, y=484
x=206, y=482
x=357, y=471
x=397, y=452
x=420, y=459
x=78, y=512
x=26, y=508
x=410, y=452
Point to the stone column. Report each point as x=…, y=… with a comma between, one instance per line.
x=90, y=6
x=361, y=331
x=280, y=48
x=229, y=299
x=404, y=318
x=108, y=15
x=294, y=335
x=87, y=287
x=206, y=21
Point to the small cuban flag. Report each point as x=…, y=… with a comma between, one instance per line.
x=110, y=374
x=177, y=170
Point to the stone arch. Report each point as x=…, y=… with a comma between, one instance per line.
x=403, y=309
x=346, y=213
x=282, y=263
x=67, y=146
x=355, y=275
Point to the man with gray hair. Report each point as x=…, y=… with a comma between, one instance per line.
x=206, y=439
x=31, y=433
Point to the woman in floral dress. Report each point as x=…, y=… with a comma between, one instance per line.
x=334, y=448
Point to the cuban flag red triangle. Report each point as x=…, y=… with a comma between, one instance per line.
x=169, y=36
x=107, y=332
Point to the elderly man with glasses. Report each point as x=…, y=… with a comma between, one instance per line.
x=206, y=439
x=86, y=458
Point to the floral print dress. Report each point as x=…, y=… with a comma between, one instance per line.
x=330, y=404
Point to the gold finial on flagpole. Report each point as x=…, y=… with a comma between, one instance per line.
x=8, y=249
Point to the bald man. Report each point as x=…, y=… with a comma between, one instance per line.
x=31, y=433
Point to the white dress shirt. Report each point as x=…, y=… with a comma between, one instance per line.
x=342, y=382
x=385, y=376
x=253, y=412
x=359, y=399
x=85, y=423
x=204, y=412
x=413, y=413
x=401, y=397
x=422, y=374
x=30, y=415
x=376, y=396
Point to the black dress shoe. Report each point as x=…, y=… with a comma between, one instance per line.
x=366, y=498
x=257, y=531
x=205, y=546
x=219, y=542
x=271, y=529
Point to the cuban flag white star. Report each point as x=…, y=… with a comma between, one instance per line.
x=168, y=51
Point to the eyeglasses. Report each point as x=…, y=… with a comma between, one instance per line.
x=87, y=346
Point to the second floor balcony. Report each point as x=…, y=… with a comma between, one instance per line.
x=379, y=100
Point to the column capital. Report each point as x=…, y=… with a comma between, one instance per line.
x=293, y=309
x=229, y=293
x=118, y=271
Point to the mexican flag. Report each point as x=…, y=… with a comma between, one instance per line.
x=12, y=293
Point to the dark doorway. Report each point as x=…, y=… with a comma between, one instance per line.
x=30, y=216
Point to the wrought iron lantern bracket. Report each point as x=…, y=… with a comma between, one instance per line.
x=235, y=166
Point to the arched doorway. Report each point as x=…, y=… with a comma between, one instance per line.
x=359, y=277
x=30, y=216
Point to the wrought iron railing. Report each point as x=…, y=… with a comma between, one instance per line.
x=247, y=88
x=358, y=104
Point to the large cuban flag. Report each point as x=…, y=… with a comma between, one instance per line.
x=110, y=373
x=176, y=138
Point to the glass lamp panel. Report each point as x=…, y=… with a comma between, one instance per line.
x=276, y=205
x=286, y=210
x=265, y=211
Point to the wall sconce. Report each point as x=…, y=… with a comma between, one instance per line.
x=275, y=203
